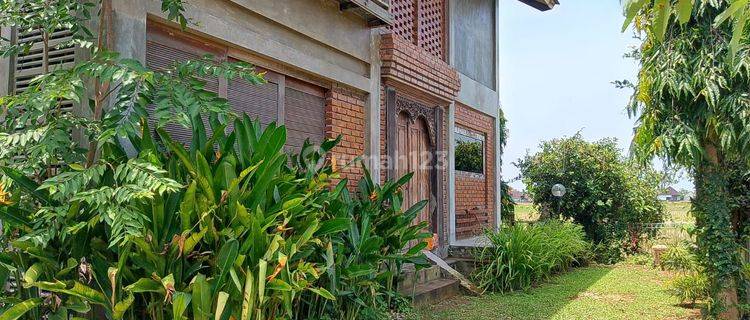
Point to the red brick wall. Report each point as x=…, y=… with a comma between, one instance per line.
x=408, y=64
x=475, y=195
x=345, y=115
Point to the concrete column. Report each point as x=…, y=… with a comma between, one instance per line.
x=129, y=28
x=498, y=176
x=451, y=173
x=5, y=67
x=129, y=38
x=372, y=124
x=498, y=154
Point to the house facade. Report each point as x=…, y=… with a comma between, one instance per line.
x=410, y=85
x=670, y=194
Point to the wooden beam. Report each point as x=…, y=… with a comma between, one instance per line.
x=347, y=5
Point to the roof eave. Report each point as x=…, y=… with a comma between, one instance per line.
x=541, y=5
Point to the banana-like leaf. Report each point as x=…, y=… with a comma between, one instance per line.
x=77, y=289
x=262, y=268
x=332, y=226
x=121, y=307
x=201, y=298
x=224, y=262
x=248, y=296
x=32, y=273
x=145, y=285
x=28, y=185
x=17, y=311
x=221, y=303
x=15, y=217
x=323, y=293
x=684, y=10
x=180, y=302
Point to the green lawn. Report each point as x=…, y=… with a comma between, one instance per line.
x=602, y=292
x=675, y=212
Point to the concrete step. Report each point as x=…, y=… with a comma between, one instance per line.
x=463, y=265
x=410, y=276
x=433, y=291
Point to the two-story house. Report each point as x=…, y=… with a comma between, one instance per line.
x=411, y=85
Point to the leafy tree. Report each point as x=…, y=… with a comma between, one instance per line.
x=606, y=194
x=662, y=13
x=507, y=204
x=692, y=106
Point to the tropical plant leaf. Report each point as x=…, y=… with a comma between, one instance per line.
x=18, y=310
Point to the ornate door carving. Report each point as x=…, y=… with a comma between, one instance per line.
x=413, y=145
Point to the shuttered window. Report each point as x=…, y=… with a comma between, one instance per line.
x=257, y=101
x=29, y=65
x=284, y=100
x=304, y=115
x=163, y=49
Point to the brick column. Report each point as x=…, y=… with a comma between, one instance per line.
x=345, y=116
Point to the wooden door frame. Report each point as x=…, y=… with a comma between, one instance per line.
x=433, y=117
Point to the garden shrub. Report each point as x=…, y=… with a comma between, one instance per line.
x=523, y=254
x=233, y=228
x=679, y=258
x=690, y=287
x=607, y=194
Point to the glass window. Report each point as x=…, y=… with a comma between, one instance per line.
x=469, y=151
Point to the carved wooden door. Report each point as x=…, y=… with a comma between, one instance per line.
x=414, y=154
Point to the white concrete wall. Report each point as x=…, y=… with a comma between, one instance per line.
x=310, y=36
x=305, y=34
x=478, y=96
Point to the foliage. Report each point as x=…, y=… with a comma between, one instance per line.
x=201, y=248
x=640, y=259
x=469, y=156
x=662, y=13
x=692, y=109
x=606, y=193
x=690, y=287
x=521, y=255
x=679, y=258
x=508, y=205
x=364, y=260
x=135, y=225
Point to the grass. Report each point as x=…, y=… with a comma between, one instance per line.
x=623, y=291
x=676, y=212
x=526, y=212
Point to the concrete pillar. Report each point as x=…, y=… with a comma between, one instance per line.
x=372, y=141
x=5, y=66
x=129, y=28
x=451, y=173
x=498, y=154
x=498, y=176
x=129, y=38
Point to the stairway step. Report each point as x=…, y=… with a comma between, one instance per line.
x=433, y=291
x=411, y=276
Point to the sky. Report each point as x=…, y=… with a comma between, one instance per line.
x=556, y=74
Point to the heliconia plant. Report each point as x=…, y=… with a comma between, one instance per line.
x=230, y=228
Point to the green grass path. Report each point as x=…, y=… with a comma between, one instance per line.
x=601, y=292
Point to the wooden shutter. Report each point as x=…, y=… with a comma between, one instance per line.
x=28, y=65
x=257, y=101
x=284, y=100
x=164, y=48
x=304, y=114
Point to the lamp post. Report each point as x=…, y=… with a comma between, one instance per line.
x=558, y=191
